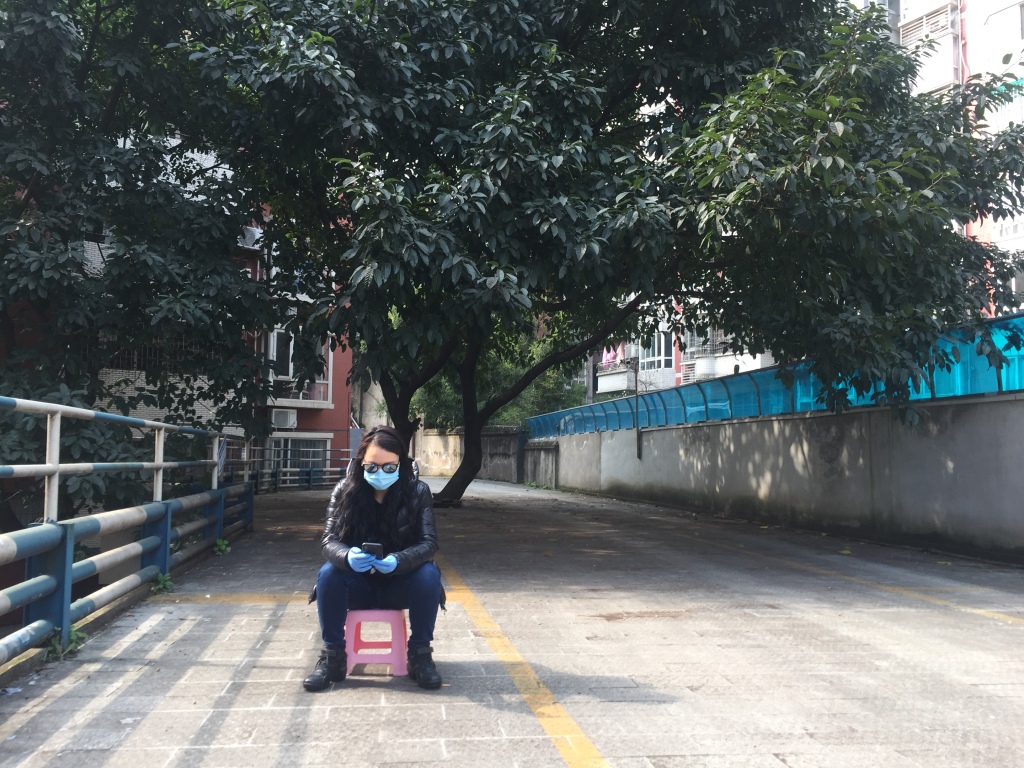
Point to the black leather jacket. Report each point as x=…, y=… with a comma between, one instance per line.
x=417, y=531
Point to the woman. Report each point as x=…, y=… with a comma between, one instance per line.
x=381, y=501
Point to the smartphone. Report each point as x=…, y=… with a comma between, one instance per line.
x=377, y=550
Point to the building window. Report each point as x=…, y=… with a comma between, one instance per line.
x=295, y=453
x=695, y=346
x=657, y=352
x=280, y=346
x=176, y=356
x=280, y=353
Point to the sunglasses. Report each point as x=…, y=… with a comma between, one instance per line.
x=389, y=469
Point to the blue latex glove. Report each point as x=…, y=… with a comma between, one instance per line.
x=360, y=561
x=387, y=565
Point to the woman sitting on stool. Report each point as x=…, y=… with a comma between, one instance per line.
x=382, y=502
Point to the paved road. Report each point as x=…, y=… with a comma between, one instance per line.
x=580, y=632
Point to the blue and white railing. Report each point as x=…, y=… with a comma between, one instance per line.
x=47, y=548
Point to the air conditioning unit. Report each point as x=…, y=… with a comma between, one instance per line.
x=284, y=418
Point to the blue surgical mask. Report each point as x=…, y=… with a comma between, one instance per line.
x=380, y=479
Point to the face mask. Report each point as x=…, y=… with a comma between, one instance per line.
x=380, y=480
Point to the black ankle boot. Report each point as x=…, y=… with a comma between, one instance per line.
x=422, y=669
x=330, y=668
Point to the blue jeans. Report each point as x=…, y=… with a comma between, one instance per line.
x=337, y=591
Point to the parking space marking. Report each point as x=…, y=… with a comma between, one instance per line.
x=575, y=748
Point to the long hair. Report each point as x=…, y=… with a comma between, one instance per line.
x=356, y=507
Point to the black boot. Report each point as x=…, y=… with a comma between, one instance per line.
x=330, y=668
x=422, y=669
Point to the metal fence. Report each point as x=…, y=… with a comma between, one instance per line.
x=164, y=539
x=762, y=392
x=271, y=469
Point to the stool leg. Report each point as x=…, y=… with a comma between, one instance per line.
x=400, y=648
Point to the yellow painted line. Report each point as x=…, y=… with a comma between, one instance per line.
x=229, y=598
x=575, y=748
x=905, y=591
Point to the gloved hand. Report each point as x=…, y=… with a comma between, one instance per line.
x=360, y=561
x=387, y=565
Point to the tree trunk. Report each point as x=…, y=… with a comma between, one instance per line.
x=473, y=426
x=475, y=417
x=472, y=460
x=397, y=399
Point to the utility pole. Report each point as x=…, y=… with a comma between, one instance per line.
x=636, y=407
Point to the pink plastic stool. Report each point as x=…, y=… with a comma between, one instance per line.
x=396, y=647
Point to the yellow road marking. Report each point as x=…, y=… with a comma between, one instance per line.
x=575, y=748
x=905, y=591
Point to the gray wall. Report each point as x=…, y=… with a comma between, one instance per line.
x=540, y=463
x=439, y=453
x=956, y=478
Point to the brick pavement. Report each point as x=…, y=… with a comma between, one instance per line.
x=589, y=632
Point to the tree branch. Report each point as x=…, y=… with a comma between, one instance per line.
x=602, y=332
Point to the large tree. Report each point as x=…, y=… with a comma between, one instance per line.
x=137, y=139
x=515, y=187
x=444, y=177
x=586, y=168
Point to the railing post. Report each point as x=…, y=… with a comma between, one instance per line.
x=161, y=556
x=250, y=503
x=215, y=475
x=52, y=482
x=158, y=458
x=216, y=530
x=55, y=607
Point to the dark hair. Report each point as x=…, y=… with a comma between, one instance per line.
x=356, y=505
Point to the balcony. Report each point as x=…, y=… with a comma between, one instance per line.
x=314, y=394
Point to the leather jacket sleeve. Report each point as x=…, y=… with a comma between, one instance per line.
x=423, y=531
x=334, y=549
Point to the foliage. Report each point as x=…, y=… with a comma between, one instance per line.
x=221, y=547
x=819, y=199
x=447, y=177
x=120, y=209
x=440, y=401
x=780, y=183
x=57, y=652
x=508, y=193
x=162, y=584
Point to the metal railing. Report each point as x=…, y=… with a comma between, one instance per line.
x=271, y=469
x=762, y=392
x=47, y=548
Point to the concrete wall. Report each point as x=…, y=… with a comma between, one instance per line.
x=503, y=454
x=439, y=453
x=955, y=478
x=540, y=463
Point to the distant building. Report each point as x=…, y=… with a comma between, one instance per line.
x=659, y=363
x=311, y=427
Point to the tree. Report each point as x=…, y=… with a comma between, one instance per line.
x=761, y=170
x=823, y=202
x=127, y=171
x=440, y=399
x=516, y=188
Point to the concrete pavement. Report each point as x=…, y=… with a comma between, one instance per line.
x=580, y=631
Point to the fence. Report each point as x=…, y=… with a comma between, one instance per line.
x=762, y=392
x=270, y=468
x=47, y=548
